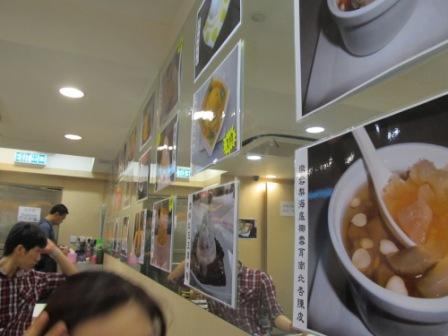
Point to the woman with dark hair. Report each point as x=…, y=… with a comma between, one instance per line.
x=101, y=303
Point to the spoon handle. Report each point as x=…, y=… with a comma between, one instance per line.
x=380, y=176
x=376, y=168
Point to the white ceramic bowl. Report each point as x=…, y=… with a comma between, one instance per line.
x=397, y=158
x=370, y=28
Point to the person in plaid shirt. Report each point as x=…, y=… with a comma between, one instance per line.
x=256, y=301
x=20, y=285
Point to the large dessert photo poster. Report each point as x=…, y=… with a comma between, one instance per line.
x=161, y=238
x=372, y=208
x=212, y=230
x=215, y=127
x=124, y=238
x=217, y=21
x=170, y=85
x=138, y=238
x=144, y=165
x=166, y=155
x=147, y=122
x=343, y=45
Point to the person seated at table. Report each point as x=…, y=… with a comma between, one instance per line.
x=257, y=302
x=20, y=285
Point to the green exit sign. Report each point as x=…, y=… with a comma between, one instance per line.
x=33, y=159
x=183, y=172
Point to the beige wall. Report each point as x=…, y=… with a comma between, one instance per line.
x=253, y=206
x=280, y=242
x=184, y=318
x=82, y=196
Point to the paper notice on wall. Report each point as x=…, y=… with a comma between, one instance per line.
x=28, y=214
x=287, y=209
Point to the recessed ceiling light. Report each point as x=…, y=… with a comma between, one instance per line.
x=71, y=92
x=315, y=129
x=73, y=137
x=253, y=157
x=271, y=176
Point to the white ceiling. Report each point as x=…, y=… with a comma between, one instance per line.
x=111, y=49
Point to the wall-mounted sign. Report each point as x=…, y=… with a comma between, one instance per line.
x=183, y=172
x=215, y=127
x=345, y=254
x=29, y=158
x=28, y=214
x=366, y=40
x=287, y=209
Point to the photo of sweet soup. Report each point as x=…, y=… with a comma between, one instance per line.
x=418, y=202
x=351, y=5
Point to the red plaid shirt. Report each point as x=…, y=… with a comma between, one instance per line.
x=18, y=296
x=256, y=297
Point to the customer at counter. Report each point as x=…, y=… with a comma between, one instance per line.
x=56, y=216
x=257, y=301
x=20, y=285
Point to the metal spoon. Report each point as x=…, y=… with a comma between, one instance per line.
x=380, y=176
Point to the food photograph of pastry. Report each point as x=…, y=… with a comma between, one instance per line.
x=378, y=226
x=211, y=242
x=343, y=45
x=170, y=86
x=138, y=242
x=216, y=113
x=132, y=146
x=217, y=21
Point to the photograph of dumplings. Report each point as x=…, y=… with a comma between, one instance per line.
x=216, y=113
x=216, y=22
x=163, y=221
x=212, y=245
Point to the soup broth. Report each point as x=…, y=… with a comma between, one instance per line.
x=419, y=204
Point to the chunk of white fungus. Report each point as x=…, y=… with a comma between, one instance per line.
x=397, y=285
x=356, y=202
x=361, y=259
x=359, y=220
x=388, y=247
x=366, y=243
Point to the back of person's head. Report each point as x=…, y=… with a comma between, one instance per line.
x=89, y=295
x=26, y=234
x=60, y=209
